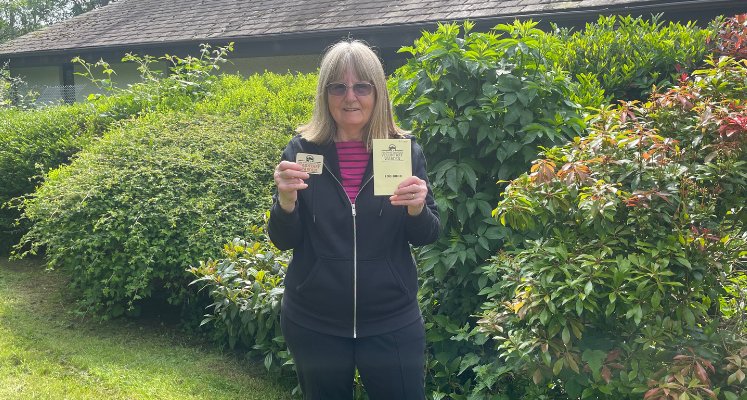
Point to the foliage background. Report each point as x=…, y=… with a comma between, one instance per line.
x=637, y=281
x=449, y=83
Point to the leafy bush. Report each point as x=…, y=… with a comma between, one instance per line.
x=730, y=39
x=476, y=133
x=280, y=101
x=35, y=141
x=627, y=56
x=247, y=286
x=636, y=286
x=482, y=105
x=50, y=136
x=150, y=198
x=190, y=80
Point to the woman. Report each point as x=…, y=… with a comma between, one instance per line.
x=350, y=291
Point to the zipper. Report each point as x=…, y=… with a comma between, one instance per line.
x=355, y=250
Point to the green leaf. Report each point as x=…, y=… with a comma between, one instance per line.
x=566, y=335
x=656, y=299
x=684, y=262
x=452, y=181
x=468, y=361
x=463, y=98
x=573, y=389
x=482, y=133
x=433, y=335
x=512, y=147
x=523, y=97
x=489, y=90
x=689, y=316
x=469, y=173
x=463, y=127
x=557, y=367
x=594, y=358
x=543, y=316
x=482, y=281
x=638, y=315
x=546, y=357
x=268, y=361
x=588, y=288
x=512, y=115
x=439, y=272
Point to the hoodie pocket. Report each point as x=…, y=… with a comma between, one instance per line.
x=381, y=291
x=328, y=289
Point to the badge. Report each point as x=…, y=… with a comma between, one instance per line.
x=311, y=163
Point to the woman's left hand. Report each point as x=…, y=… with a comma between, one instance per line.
x=411, y=193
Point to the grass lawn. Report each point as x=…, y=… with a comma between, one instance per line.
x=46, y=353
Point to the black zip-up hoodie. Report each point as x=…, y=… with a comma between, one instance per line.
x=352, y=273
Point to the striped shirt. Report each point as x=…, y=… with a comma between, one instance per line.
x=353, y=158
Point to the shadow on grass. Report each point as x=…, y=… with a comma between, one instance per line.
x=45, y=351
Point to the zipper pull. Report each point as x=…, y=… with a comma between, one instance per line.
x=353, y=209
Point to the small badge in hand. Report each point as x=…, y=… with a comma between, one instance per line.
x=311, y=163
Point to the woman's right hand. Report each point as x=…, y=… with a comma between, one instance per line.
x=289, y=177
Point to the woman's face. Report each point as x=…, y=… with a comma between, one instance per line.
x=351, y=112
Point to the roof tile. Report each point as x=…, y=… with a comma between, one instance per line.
x=134, y=22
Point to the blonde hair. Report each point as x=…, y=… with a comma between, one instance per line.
x=341, y=56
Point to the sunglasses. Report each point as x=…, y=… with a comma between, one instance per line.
x=359, y=89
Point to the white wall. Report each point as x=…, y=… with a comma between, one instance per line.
x=127, y=73
x=39, y=78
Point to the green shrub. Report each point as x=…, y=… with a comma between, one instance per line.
x=49, y=136
x=637, y=284
x=190, y=80
x=149, y=199
x=32, y=142
x=282, y=102
x=247, y=286
x=482, y=105
x=627, y=56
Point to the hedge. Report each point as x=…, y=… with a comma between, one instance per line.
x=33, y=142
x=152, y=197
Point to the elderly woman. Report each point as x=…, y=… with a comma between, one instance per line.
x=351, y=288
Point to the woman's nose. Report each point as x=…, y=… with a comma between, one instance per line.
x=349, y=94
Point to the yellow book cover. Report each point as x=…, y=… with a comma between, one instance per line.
x=391, y=164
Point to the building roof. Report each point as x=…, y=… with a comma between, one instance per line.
x=153, y=22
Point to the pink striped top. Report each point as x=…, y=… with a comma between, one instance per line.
x=353, y=158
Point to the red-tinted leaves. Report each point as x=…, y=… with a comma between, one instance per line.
x=612, y=355
x=606, y=374
x=731, y=126
x=731, y=39
x=543, y=171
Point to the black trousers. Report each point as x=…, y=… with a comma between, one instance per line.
x=390, y=365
